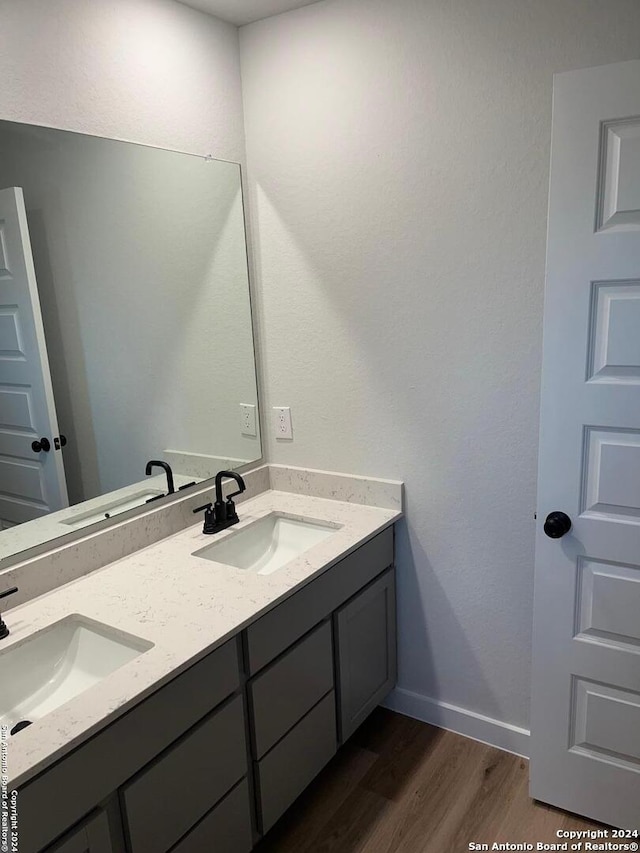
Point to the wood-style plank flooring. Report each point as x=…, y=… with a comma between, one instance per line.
x=402, y=786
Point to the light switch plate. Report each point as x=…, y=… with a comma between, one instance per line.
x=282, y=422
x=248, y=419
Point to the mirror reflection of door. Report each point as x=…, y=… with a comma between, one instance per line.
x=32, y=480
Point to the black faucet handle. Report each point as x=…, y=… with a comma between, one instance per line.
x=209, y=525
x=9, y=591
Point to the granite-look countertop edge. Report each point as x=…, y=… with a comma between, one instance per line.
x=185, y=605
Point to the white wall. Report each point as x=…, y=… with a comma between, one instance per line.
x=151, y=71
x=398, y=163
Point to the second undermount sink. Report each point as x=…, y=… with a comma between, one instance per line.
x=266, y=545
x=58, y=663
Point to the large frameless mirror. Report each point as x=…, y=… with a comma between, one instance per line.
x=125, y=329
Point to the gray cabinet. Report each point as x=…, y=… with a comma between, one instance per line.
x=366, y=652
x=93, y=835
x=213, y=758
x=285, y=691
x=225, y=829
x=165, y=800
x=64, y=793
x=285, y=771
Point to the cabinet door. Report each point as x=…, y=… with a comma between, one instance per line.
x=366, y=652
x=93, y=836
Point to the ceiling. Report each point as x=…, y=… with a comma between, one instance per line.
x=241, y=12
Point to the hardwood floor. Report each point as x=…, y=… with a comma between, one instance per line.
x=401, y=786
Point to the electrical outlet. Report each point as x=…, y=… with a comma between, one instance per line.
x=282, y=421
x=248, y=419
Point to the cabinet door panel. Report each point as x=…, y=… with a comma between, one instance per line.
x=366, y=652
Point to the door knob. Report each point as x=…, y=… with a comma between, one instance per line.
x=556, y=524
x=60, y=441
x=44, y=444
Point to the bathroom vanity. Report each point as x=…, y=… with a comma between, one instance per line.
x=251, y=679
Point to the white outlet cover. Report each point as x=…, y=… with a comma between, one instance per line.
x=282, y=422
x=248, y=419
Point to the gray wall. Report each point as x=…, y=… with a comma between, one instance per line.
x=398, y=157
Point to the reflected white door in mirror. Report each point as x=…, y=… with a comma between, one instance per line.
x=31, y=468
x=123, y=277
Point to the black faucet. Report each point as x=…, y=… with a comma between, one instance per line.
x=158, y=463
x=4, y=631
x=222, y=514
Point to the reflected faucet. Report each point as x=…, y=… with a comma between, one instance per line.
x=158, y=463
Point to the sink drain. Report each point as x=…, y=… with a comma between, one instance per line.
x=19, y=726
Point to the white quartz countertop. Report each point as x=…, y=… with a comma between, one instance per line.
x=185, y=605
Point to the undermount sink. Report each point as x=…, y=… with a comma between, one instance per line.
x=266, y=545
x=108, y=509
x=58, y=663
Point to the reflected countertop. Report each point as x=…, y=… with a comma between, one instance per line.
x=50, y=527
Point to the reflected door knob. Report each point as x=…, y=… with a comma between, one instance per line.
x=556, y=524
x=44, y=444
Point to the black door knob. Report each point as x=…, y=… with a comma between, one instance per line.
x=44, y=444
x=60, y=441
x=556, y=524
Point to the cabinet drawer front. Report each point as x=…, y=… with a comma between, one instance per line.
x=166, y=799
x=282, y=626
x=226, y=829
x=64, y=793
x=366, y=646
x=93, y=836
x=283, y=693
x=292, y=764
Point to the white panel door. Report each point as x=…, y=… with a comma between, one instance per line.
x=585, y=750
x=32, y=482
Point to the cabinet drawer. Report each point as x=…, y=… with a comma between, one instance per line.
x=66, y=792
x=226, y=829
x=167, y=798
x=93, y=836
x=283, y=693
x=274, y=632
x=285, y=772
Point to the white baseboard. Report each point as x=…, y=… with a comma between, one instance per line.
x=460, y=720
